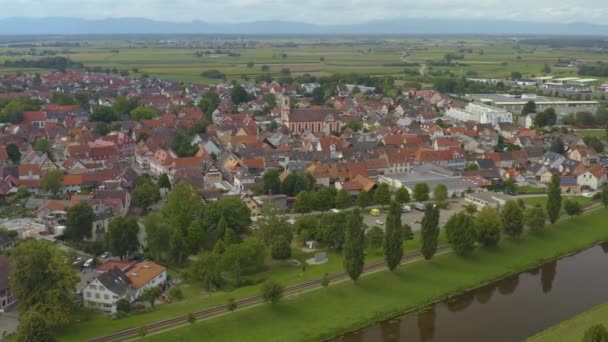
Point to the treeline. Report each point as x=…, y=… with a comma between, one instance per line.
x=462, y=86
x=11, y=110
x=600, y=69
x=587, y=119
x=59, y=63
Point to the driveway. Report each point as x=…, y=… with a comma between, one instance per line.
x=9, y=321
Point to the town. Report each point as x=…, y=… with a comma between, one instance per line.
x=147, y=200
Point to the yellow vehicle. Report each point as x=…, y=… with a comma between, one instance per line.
x=374, y=212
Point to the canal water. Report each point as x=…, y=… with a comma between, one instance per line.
x=507, y=310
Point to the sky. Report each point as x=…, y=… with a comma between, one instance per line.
x=324, y=12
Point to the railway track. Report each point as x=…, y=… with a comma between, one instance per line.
x=219, y=309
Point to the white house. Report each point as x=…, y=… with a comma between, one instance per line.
x=594, y=177
x=481, y=113
x=107, y=289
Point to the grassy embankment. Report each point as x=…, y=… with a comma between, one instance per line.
x=324, y=313
x=574, y=328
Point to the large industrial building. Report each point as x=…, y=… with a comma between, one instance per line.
x=515, y=103
x=481, y=113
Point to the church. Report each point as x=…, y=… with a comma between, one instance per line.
x=315, y=120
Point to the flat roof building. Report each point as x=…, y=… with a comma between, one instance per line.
x=515, y=103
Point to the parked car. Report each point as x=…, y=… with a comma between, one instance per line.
x=420, y=206
x=380, y=222
x=334, y=210
x=374, y=212
x=88, y=263
x=106, y=255
x=406, y=209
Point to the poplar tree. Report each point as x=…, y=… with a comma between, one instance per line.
x=512, y=218
x=354, y=245
x=554, y=199
x=430, y=231
x=393, y=237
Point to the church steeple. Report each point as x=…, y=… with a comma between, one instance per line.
x=285, y=109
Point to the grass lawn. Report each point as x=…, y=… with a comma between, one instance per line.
x=526, y=189
x=196, y=298
x=574, y=328
x=542, y=200
x=324, y=313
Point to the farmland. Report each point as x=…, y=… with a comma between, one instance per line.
x=184, y=59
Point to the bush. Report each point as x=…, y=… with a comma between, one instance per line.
x=191, y=318
x=231, y=305
x=272, y=292
x=213, y=74
x=175, y=293
x=123, y=306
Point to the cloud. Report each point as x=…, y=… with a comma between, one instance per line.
x=312, y=11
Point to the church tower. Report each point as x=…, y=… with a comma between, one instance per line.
x=285, y=109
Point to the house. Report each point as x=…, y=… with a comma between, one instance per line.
x=107, y=289
x=212, y=175
x=593, y=178
x=315, y=120
x=35, y=119
x=6, y=297
x=145, y=275
x=584, y=154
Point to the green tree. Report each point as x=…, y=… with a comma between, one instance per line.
x=150, y=295
x=535, y=218
x=41, y=281
x=163, y=181
x=354, y=245
x=512, y=218
x=231, y=304
x=430, y=231
x=272, y=182
x=79, y=221
x=248, y=255
x=272, y=292
x=123, y=305
x=280, y=248
x=178, y=248
x=557, y=146
x=272, y=223
x=297, y=182
x=573, y=208
x=102, y=128
x=270, y=99
x=33, y=328
x=146, y=194
x=142, y=113
x=393, y=237
x=363, y=199
x=421, y=192
x=304, y=202
x=324, y=199
x=207, y=270
x=209, y=103
x=402, y=195
x=596, y=333
x=42, y=145
x=121, y=238
x=460, y=230
x=318, y=96
x=440, y=193
x=374, y=237
x=239, y=95
x=554, y=198
x=104, y=114
x=158, y=235
x=196, y=237
x=529, y=107
x=382, y=196
x=488, y=225
x=325, y=280
x=191, y=318
x=14, y=155
x=182, y=146
x=52, y=181
x=182, y=207
x=343, y=200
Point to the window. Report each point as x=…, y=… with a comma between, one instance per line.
x=93, y=287
x=115, y=297
x=89, y=295
x=97, y=295
x=106, y=297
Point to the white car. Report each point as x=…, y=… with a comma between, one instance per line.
x=334, y=210
x=88, y=263
x=587, y=194
x=106, y=255
x=380, y=222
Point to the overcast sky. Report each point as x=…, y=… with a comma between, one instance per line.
x=312, y=11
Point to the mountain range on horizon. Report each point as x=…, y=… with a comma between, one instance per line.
x=407, y=26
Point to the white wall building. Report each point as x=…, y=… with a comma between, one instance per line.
x=481, y=113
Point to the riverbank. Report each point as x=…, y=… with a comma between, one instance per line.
x=332, y=311
x=574, y=328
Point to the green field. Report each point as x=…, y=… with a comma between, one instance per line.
x=482, y=57
x=574, y=328
x=325, y=313
x=542, y=200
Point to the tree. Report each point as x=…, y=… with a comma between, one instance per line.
x=596, y=333
x=535, y=218
x=363, y=199
x=325, y=280
x=52, y=181
x=488, y=225
x=182, y=207
x=272, y=224
x=512, y=218
x=123, y=305
x=42, y=145
x=421, y=192
x=14, y=155
x=343, y=199
x=79, y=221
x=150, y=295
x=270, y=99
x=33, y=328
x=103, y=114
x=280, y=249
x=605, y=196
x=374, y=237
x=102, y=128
x=272, y=292
x=354, y=245
x=393, y=237
x=545, y=118
x=142, y=113
x=402, y=195
x=239, y=95
x=207, y=270
x=191, y=318
x=178, y=248
x=304, y=202
x=272, y=182
x=231, y=304
x=382, y=195
x=239, y=257
x=529, y=107
x=557, y=146
x=573, y=208
x=318, y=96
x=430, y=231
x=265, y=68
x=121, y=238
x=460, y=230
x=182, y=146
x=158, y=235
x=440, y=193
x=146, y=194
x=324, y=199
x=163, y=181
x=554, y=198
x=42, y=281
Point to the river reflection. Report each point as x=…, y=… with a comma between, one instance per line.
x=508, y=310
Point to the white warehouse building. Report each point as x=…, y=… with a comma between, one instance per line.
x=481, y=113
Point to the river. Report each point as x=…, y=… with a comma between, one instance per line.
x=507, y=310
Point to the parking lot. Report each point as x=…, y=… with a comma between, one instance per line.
x=414, y=217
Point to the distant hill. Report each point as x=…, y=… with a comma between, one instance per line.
x=69, y=26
